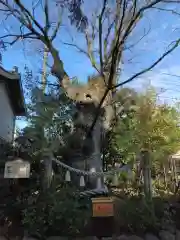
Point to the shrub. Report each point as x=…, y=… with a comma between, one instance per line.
x=61, y=211
x=137, y=216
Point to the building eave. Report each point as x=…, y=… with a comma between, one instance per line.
x=13, y=84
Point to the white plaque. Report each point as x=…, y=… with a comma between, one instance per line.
x=17, y=169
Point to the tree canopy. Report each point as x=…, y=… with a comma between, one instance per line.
x=151, y=126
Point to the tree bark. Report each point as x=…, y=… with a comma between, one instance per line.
x=96, y=164
x=147, y=174
x=165, y=177
x=47, y=172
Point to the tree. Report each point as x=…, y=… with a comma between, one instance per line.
x=125, y=105
x=100, y=89
x=150, y=126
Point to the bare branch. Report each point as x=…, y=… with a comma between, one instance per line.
x=113, y=49
x=46, y=12
x=23, y=19
x=135, y=19
x=90, y=51
x=106, y=39
x=57, y=26
x=26, y=19
x=129, y=80
x=168, y=10
x=17, y=14
x=138, y=41
x=77, y=47
x=177, y=43
x=89, y=54
x=116, y=53
x=100, y=37
x=114, y=23
x=17, y=37
x=29, y=15
x=122, y=25
x=170, y=1
x=35, y=5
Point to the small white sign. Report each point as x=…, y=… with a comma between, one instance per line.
x=17, y=169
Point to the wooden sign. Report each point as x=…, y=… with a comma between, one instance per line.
x=103, y=207
x=17, y=169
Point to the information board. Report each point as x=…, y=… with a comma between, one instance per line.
x=17, y=169
x=103, y=207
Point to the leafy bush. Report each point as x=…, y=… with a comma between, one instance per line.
x=61, y=211
x=137, y=216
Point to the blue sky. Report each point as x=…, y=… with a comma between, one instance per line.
x=164, y=28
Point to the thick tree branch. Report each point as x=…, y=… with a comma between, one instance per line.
x=100, y=37
x=135, y=19
x=122, y=18
x=177, y=43
x=90, y=50
x=115, y=53
x=106, y=40
x=17, y=37
x=16, y=13
x=46, y=12
x=23, y=19
x=26, y=19
x=29, y=15
x=128, y=16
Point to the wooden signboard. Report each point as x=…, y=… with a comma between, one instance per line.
x=17, y=169
x=103, y=207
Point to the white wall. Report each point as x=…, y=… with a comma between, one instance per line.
x=6, y=115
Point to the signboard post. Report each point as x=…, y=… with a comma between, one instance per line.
x=17, y=169
x=103, y=216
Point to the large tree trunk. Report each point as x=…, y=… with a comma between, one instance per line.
x=90, y=149
x=87, y=99
x=95, y=163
